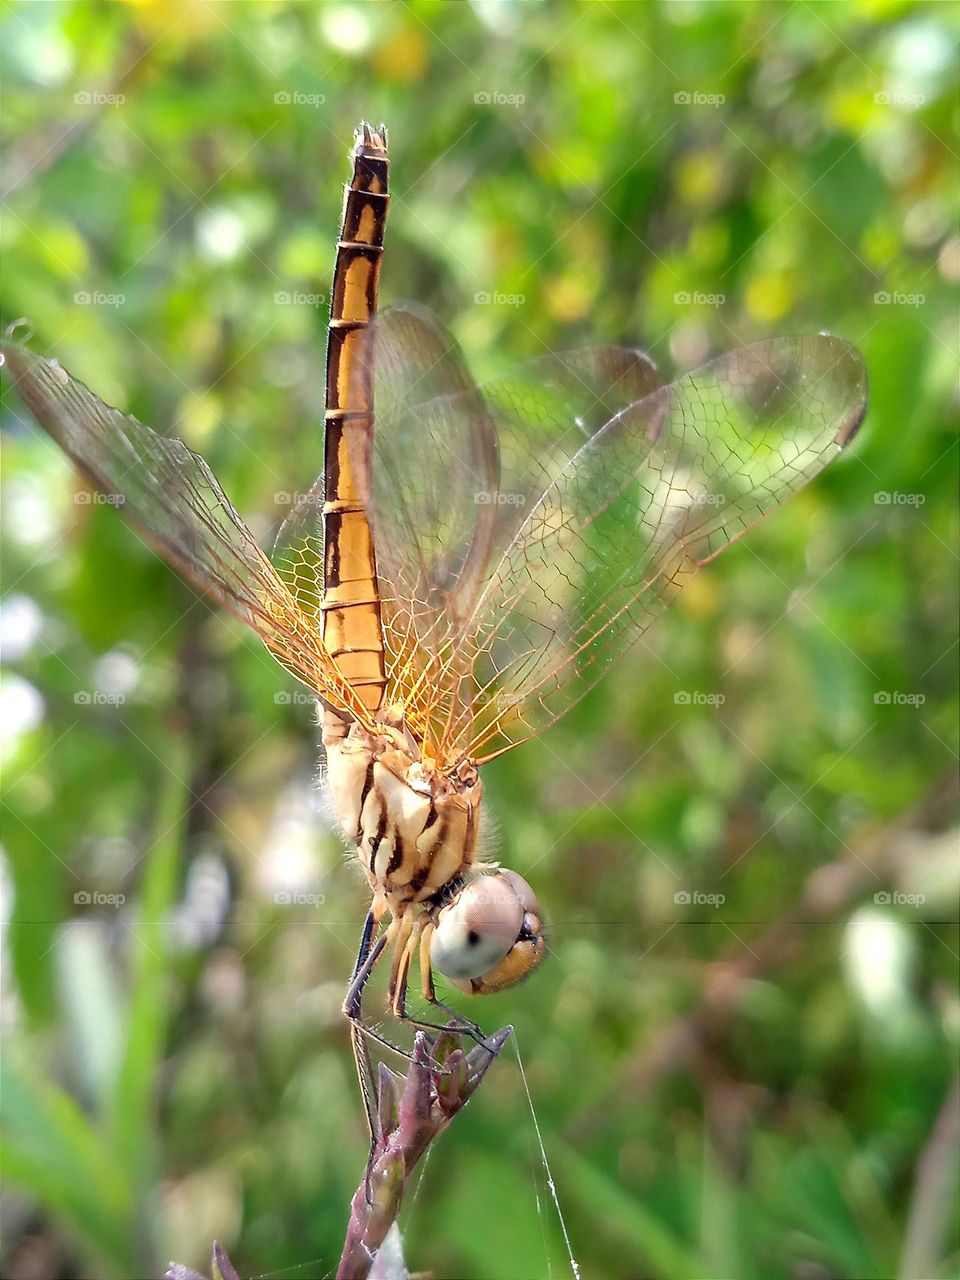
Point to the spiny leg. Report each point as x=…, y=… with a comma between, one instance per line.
x=353, y=1000
x=365, y=940
x=405, y=940
x=361, y=1054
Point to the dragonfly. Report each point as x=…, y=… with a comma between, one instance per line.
x=461, y=573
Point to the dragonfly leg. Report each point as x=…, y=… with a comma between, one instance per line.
x=361, y=1052
x=366, y=959
x=366, y=939
x=398, y=990
x=352, y=1008
x=456, y=1023
x=426, y=968
x=405, y=945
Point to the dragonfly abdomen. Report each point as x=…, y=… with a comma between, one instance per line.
x=352, y=631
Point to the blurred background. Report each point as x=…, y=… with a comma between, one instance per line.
x=742, y=1050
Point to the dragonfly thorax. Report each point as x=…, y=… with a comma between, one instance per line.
x=415, y=827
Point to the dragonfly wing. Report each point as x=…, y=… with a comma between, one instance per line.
x=297, y=553
x=172, y=496
x=456, y=468
x=660, y=490
x=435, y=457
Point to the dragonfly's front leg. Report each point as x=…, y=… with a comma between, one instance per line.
x=352, y=1008
x=367, y=957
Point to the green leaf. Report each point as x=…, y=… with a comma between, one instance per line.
x=133, y=1109
x=52, y=1150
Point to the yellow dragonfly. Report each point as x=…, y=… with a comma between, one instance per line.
x=457, y=579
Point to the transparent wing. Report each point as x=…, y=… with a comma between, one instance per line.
x=655, y=494
x=435, y=456
x=297, y=553
x=456, y=469
x=173, y=497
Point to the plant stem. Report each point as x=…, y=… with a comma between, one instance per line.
x=412, y=1112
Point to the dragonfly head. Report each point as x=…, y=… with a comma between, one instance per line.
x=489, y=935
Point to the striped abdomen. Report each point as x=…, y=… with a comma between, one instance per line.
x=351, y=602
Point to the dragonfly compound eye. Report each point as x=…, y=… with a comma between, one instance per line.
x=489, y=936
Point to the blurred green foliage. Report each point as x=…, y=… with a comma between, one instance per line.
x=681, y=176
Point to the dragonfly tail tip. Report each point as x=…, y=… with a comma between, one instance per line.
x=368, y=138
